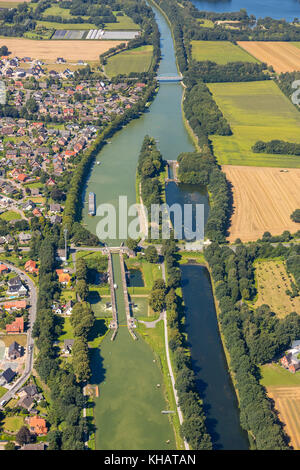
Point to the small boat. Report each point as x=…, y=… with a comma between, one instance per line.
x=98, y=163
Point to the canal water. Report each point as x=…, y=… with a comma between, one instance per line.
x=289, y=9
x=209, y=362
x=128, y=409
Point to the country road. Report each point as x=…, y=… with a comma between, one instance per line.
x=30, y=343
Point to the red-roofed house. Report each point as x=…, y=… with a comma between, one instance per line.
x=37, y=425
x=15, y=305
x=22, y=177
x=31, y=267
x=4, y=269
x=17, y=326
x=37, y=212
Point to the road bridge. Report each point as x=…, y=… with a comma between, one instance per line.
x=169, y=78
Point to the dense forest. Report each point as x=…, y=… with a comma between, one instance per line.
x=150, y=165
x=210, y=72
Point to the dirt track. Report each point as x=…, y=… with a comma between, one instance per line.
x=263, y=200
x=287, y=403
x=50, y=50
x=283, y=56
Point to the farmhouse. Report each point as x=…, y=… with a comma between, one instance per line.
x=291, y=359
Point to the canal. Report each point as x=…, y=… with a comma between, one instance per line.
x=209, y=362
x=128, y=409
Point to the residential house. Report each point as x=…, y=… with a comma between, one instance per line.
x=31, y=267
x=68, y=345
x=15, y=350
x=38, y=446
x=17, y=326
x=37, y=425
x=24, y=237
x=7, y=376
x=64, y=278
x=4, y=269
x=15, y=305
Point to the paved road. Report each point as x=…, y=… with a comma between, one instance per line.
x=30, y=343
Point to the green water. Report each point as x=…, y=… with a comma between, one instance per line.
x=128, y=409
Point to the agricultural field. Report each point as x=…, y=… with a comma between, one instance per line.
x=69, y=50
x=272, y=281
x=283, y=56
x=11, y=3
x=284, y=388
x=255, y=111
x=287, y=403
x=263, y=199
x=134, y=60
x=220, y=52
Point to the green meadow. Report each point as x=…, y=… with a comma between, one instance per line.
x=123, y=23
x=276, y=376
x=75, y=26
x=255, y=111
x=220, y=52
x=135, y=60
x=204, y=23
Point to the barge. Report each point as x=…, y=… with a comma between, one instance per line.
x=92, y=204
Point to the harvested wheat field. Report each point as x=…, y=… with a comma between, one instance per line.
x=273, y=281
x=263, y=199
x=287, y=403
x=50, y=50
x=283, y=56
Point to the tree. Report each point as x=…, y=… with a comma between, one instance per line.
x=10, y=445
x=131, y=244
x=151, y=254
x=157, y=300
x=81, y=269
x=3, y=50
x=295, y=216
x=23, y=436
x=82, y=289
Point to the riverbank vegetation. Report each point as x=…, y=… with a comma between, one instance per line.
x=150, y=169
